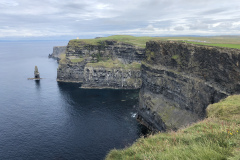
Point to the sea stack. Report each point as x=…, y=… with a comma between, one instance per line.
x=36, y=73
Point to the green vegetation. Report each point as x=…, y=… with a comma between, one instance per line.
x=150, y=55
x=227, y=109
x=137, y=41
x=63, y=59
x=175, y=56
x=216, y=137
x=221, y=41
x=76, y=60
x=211, y=39
x=114, y=64
x=237, y=46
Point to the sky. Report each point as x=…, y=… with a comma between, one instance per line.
x=67, y=19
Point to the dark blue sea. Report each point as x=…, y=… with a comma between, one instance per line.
x=50, y=120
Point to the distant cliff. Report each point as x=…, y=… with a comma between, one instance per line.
x=102, y=64
x=179, y=80
x=57, y=51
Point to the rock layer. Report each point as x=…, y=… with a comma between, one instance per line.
x=108, y=64
x=116, y=78
x=179, y=80
x=124, y=52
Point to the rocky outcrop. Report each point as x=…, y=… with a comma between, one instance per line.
x=57, y=51
x=36, y=73
x=179, y=80
x=105, y=64
x=71, y=72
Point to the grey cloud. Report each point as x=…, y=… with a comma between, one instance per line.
x=213, y=11
x=75, y=6
x=165, y=25
x=198, y=26
x=224, y=25
x=66, y=17
x=179, y=28
x=8, y=3
x=148, y=28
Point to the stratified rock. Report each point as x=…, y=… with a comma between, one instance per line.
x=179, y=80
x=117, y=78
x=91, y=70
x=124, y=52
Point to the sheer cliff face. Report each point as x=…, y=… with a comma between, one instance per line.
x=101, y=77
x=57, y=51
x=108, y=64
x=126, y=53
x=179, y=80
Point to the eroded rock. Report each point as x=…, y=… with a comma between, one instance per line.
x=36, y=73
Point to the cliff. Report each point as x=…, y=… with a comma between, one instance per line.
x=216, y=137
x=179, y=81
x=102, y=64
x=57, y=52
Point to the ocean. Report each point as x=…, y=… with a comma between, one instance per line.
x=47, y=119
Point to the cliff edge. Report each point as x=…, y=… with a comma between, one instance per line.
x=216, y=137
x=179, y=81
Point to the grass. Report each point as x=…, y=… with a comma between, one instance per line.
x=76, y=60
x=63, y=59
x=216, y=137
x=115, y=64
x=175, y=57
x=221, y=41
x=228, y=109
x=137, y=41
x=237, y=46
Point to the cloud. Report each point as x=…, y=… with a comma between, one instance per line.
x=214, y=11
x=198, y=26
x=8, y=3
x=224, y=25
x=179, y=28
x=149, y=28
x=137, y=17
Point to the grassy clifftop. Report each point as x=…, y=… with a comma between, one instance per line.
x=216, y=137
x=220, y=41
x=137, y=41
